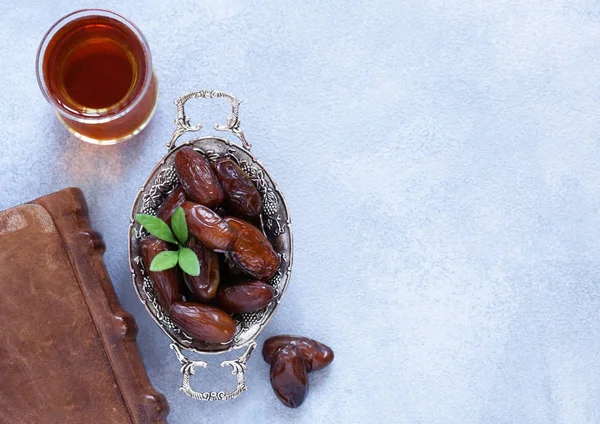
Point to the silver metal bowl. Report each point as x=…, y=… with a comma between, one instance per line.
x=275, y=223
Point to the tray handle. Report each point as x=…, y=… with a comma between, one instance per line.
x=183, y=125
x=238, y=368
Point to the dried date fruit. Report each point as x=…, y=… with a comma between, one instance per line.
x=254, y=255
x=203, y=322
x=317, y=355
x=238, y=187
x=197, y=178
x=172, y=202
x=229, y=269
x=238, y=224
x=289, y=377
x=220, y=210
x=204, y=286
x=167, y=284
x=248, y=296
x=207, y=227
x=251, y=250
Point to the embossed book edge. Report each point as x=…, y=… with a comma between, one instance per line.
x=116, y=327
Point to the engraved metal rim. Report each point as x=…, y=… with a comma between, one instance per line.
x=131, y=229
x=238, y=366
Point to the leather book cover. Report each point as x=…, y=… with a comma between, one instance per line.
x=67, y=349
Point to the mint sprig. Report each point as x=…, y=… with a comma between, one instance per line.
x=178, y=234
x=156, y=226
x=188, y=261
x=164, y=260
x=179, y=225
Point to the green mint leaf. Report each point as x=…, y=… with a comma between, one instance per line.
x=156, y=226
x=164, y=260
x=179, y=225
x=188, y=262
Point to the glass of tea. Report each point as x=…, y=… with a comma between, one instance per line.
x=95, y=68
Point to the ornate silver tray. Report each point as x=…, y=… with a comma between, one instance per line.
x=275, y=223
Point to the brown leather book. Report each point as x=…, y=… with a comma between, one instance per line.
x=67, y=348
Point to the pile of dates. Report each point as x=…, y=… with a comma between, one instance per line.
x=221, y=206
x=292, y=358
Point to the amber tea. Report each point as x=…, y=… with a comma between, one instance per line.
x=95, y=67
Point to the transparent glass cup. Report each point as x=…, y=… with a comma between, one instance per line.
x=95, y=68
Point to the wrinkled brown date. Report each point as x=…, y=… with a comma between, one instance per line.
x=197, y=178
x=289, y=377
x=238, y=224
x=238, y=187
x=246, y=297
x=317, y=355
x=251, y=250
x=167, y=284
x=207, y=227
x=203, y=322
x=230, y=270
x=204, y=286
x=172, y=202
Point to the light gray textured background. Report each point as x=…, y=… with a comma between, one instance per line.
x=440, y=160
